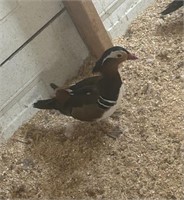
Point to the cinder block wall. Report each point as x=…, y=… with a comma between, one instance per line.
x=118, y=14
x=39, y=44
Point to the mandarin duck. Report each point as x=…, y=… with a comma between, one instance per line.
x=94, y=98
x=176, y=4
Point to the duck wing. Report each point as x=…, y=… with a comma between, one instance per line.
x=83, y=92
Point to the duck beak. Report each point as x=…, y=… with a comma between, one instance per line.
x=132, y=57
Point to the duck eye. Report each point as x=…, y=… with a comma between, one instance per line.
x=119, y=55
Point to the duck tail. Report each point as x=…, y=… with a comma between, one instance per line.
x=45, y=104
x=172, y=7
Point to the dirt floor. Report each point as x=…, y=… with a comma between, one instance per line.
x=145, y=162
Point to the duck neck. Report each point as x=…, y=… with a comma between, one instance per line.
x=110, y=69
x=110, y=86
x=111, y=74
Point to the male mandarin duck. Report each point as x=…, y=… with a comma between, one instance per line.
x=94, y=98
x=176, y=4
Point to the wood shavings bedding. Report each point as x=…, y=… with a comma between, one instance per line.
x=146, y=161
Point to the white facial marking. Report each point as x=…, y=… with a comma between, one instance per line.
x=114, y=54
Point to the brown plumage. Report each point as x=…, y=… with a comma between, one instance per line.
x=93, y=98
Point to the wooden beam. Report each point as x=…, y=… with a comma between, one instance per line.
x=89, y=25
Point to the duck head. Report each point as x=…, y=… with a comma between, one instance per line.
x=112, y=57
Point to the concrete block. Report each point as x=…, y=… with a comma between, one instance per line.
x=55, y=55
x=119, y=14
x=7, y=7
x=19, y=20
x=102, y=6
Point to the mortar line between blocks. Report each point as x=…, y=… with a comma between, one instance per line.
x=33, y=36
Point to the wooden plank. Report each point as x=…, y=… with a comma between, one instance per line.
x=89, y=25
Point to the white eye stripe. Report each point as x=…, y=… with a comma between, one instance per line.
x=113, y=54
